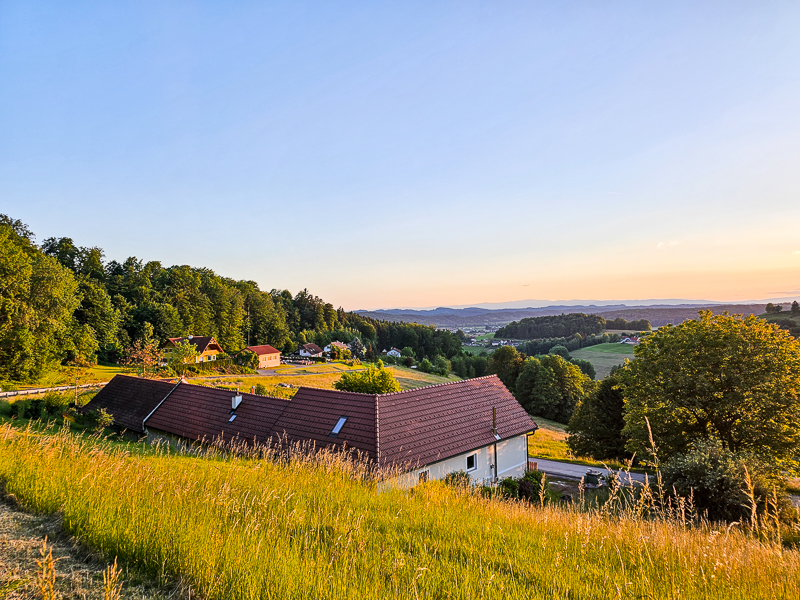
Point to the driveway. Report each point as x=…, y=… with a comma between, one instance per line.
x=566, y=470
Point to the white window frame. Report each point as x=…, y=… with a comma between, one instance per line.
x=475, y=468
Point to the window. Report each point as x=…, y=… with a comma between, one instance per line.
x=472, y=462
x=231, y=419
x=339, y=424
x=424, y=476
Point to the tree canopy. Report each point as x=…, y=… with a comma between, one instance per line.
x=726, y=377
x=595, y=428
x=552, y=326
x=61, y=301
x=372, y=380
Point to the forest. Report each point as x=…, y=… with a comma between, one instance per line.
x=564, y=326
x=64, y=303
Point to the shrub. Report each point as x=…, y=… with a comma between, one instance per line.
x=27, y=409
x=530, y=485
x=716, y=479
x=261, y=389
x=458, y=479
x=509, y=487
x=5, y=408
x=54, y=403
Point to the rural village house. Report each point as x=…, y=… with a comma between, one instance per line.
x=310, y=350
x=394, y=352
x=207, y=347
x=474, y=425
x=339, y=345
x=267, y=356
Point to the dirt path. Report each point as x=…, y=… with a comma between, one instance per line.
x=78, y=573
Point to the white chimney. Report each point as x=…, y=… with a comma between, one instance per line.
x=237, y=400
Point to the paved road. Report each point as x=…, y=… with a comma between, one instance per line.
x=570, y=471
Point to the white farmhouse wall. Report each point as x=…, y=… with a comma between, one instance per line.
x=512, y=460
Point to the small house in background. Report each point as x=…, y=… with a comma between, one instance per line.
x=632, y=340
x=339, y=345
x=207, y=347
x=394, y=352
x=310, y=350
x=267, y=356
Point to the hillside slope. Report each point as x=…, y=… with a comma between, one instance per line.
x=234, y=528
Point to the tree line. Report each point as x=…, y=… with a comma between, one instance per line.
x=565, y=326
x=60, y=302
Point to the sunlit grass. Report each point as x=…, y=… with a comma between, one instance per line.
x=320, y=376
x=234, y=528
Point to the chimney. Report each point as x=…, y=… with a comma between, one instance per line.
x=237, y=400
x=188, y=337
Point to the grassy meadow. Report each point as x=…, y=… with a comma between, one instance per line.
x=248, y=528
x=322, y=375
x=604, y=357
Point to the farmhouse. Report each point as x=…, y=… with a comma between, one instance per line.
x=267, y=356
x=207, y=347
x=339, y=345
x=474, y=425
x=394, y=352
x=311, y=350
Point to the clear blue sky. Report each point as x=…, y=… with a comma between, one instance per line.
x=415, y=154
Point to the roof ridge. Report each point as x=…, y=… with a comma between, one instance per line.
x=433, y=385
x=307, y=387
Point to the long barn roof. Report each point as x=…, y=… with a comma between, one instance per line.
x=413, y=427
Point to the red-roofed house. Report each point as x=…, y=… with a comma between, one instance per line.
x=311, y=350
x=474, y=425
x=207, y=347
x=267, y=356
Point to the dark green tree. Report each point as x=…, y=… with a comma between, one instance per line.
x=595, y=429
x=506, y=362
x=722, y=377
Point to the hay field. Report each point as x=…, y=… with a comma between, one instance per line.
x=250, y=528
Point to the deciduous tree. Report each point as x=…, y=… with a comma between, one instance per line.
x=373, y=380
x=725, y=377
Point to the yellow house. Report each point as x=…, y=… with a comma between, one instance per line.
x=207, y=347
x=267, y=356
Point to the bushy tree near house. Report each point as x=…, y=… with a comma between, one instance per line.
x=722, y=377
x=373, y=380
x=551, y=387
x=595, y=428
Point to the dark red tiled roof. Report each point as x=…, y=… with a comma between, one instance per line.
x=412, y=427
x=313, y=413
x=264, y=349
x=197, y=412
x=432, y=423
x=312, y=348
x=130, y=399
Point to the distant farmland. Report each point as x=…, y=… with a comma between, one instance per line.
x=604, y=357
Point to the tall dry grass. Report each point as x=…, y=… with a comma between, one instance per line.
x=317, y=527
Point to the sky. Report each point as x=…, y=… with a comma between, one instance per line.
x=410, y=154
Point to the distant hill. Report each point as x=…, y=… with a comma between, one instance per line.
x=658, y=315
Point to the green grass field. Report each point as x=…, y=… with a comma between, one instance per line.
x=322, y=375
x=604, y=357
x=249, y=528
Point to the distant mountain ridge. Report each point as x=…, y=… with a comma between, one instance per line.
x=657, y=314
